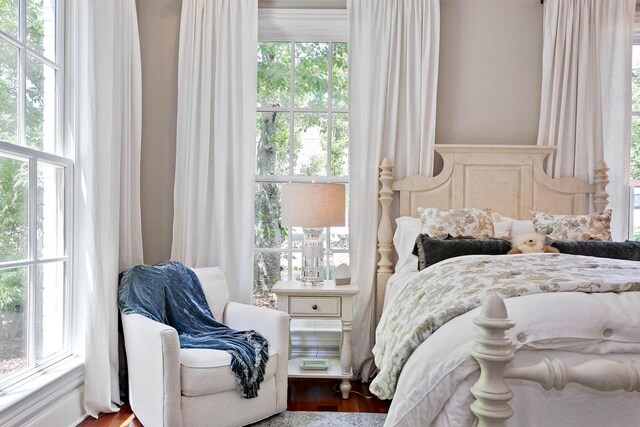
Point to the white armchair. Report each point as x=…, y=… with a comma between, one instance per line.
x=170, y=386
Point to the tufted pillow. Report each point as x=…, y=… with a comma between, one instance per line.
x=469, y=222
x=617, y=250
x=432, y=250
x=594, y=226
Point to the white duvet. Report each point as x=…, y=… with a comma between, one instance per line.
x=433, y=387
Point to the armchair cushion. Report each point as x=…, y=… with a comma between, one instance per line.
x=206, y=371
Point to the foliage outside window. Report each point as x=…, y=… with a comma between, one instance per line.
x=635, y=143
x=34, y=190
x=301, y=136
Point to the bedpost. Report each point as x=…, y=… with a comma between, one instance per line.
x=493, y=351
x=600, y=180
x=385, y=234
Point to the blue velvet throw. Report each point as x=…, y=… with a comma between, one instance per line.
x=170, y=293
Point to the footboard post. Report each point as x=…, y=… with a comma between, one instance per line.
x=493, y=351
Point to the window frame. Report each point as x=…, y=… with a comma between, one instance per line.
x=303, y=26
x=633, y=184
x=62, y=157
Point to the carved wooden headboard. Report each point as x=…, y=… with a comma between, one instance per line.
x=507, y=178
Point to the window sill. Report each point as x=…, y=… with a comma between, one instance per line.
x=34, y=397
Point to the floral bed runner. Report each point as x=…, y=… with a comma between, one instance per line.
x=458, y=285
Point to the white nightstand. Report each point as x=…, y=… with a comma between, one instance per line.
x=321, y=302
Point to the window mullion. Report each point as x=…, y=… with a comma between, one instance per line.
x=30, y=314
x=22, y=74
x=292, y=83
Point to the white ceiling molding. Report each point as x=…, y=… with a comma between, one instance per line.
x=302, y=25
x=302, y=4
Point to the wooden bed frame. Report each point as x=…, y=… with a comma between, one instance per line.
x=511, y=180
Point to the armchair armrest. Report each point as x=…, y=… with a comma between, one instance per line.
x=153, y=361
x=274, y=326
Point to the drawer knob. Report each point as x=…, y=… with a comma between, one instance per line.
x=314, y=306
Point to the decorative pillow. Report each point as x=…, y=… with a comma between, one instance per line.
x=617, y=250
x=432, y=250
x=520, y=227
x=501, y=226
x=469, y=222
x=595, y=226
x=404, y=239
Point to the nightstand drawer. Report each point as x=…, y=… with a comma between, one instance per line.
x=315, y=306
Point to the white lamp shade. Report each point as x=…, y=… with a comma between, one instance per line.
x=313, y=205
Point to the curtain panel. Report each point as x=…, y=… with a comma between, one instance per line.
x=215, y=141
x=393, y=73
x=104, y=98
x=586, y=94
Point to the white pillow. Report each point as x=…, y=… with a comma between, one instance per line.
x=404, y=239
x=520, y=227
x=501, y=226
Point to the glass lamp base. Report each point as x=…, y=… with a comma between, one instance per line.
x=312, y=257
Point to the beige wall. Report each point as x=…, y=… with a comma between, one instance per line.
x=488, y=90
x=159, y=23
x=490, y=72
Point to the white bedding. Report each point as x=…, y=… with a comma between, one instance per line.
x=433, y=387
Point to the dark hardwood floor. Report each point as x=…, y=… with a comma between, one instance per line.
x=304, y=395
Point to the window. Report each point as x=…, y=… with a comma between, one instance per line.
x=35, y=191
x=301, y=136
x=635, y=145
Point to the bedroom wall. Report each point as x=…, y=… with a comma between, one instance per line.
x=490, y=72
x=488, y=90
x=159, y=24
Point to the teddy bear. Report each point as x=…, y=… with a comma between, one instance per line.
x=531, y=243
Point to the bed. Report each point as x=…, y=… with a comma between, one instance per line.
x=568, y=357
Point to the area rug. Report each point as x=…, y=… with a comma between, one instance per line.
x=323, y=419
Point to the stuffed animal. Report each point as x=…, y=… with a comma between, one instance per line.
x=530, y=243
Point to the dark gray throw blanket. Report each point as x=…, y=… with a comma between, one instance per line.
x=170, y=293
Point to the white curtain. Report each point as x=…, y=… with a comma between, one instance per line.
x=586, y=93
x=215, y=145
x=104, y=97
x=393, y=72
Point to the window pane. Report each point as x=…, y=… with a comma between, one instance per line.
x=310, y=144
x=50, y=210
x=635, y=86
x=49, y=309
x=272, y=143
x=297, y=237
x=340, y=258
x=340, y=76
x=13, y=346
x=41, y=27
x=9, y=16
x=274, y=75
x=635, y=148
x=14, y=204
x=340, y=145
x=8, y=92
x=269, y=268
x=311, y=75
x=636, y=214
x=40, y=105
x=268, y=231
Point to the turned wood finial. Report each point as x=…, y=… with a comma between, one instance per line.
x=385, y=233
x=600, y=181
x=494, y=352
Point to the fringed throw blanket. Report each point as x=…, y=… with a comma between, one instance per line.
x=458, y=285
x=170, y=293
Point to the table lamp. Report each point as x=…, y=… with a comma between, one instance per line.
x=313, y=207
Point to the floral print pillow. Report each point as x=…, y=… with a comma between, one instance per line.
x=594, y=226
x=470, y=222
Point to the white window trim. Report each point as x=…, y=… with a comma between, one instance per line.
x=52, y=392
x=301, y=25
